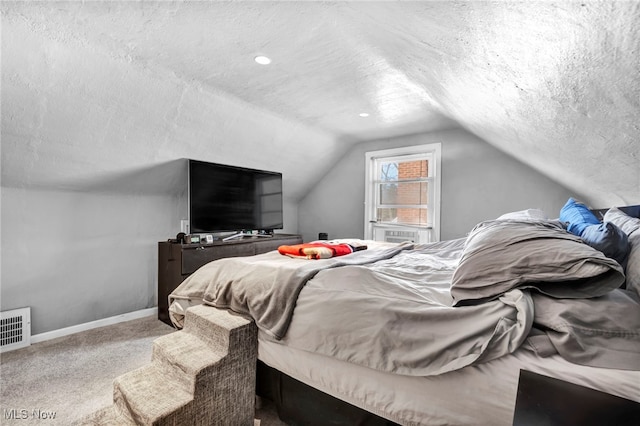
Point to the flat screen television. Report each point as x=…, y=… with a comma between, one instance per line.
x=225, y=198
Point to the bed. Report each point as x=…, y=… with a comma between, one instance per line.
x=439, y=333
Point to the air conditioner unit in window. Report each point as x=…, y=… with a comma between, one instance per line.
x=391, y=236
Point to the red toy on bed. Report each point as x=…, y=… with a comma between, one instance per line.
x=319, y=250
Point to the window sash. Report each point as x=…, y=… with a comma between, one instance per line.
x=425, y=229
x=415, y=214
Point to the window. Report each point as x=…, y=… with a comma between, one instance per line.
x=402, y=200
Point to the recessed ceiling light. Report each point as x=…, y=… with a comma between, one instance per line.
x=363, y=114
x=262, y=60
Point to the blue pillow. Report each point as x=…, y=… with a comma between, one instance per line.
x=577, y=216
x=609, y=239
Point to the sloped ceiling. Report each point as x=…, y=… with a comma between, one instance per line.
x=554, y=84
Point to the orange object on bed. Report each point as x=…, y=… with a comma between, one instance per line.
x=318, y=250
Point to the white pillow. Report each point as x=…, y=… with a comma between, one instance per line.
x=529, y=214
x=631, y=227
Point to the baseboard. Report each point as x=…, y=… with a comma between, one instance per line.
x=93, y=324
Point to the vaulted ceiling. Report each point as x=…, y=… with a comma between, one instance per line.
x=554, y=84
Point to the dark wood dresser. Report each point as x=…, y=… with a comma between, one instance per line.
x=177, y=261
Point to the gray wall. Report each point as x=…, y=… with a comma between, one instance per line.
x=76, y=257
x=479, y=182
x=79, y=256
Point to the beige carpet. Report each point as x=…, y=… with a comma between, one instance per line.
x=62, y=380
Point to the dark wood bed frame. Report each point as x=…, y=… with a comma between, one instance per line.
x=543, y=400
x=301, y=404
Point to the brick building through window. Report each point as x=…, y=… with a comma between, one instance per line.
x=413, y=193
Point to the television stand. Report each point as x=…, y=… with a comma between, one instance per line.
x=245, y=234
x=177, y=261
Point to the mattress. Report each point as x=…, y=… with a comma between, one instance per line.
x=475, y=395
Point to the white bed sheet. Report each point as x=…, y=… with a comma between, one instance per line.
x=476, y=395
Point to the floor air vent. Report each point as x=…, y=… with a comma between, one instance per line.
x=15, y=329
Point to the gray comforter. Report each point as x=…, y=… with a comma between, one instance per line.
x=265, y=287
x=393, y=310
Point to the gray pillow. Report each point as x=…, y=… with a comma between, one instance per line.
x=609, y=239
x=500, y=255
x=631, y=227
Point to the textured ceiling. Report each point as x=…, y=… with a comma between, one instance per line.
x=555, y=84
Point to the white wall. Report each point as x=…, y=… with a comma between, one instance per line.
x=479, y=182
x=75, y=116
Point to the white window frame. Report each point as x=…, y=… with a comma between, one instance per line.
x=372, y=228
